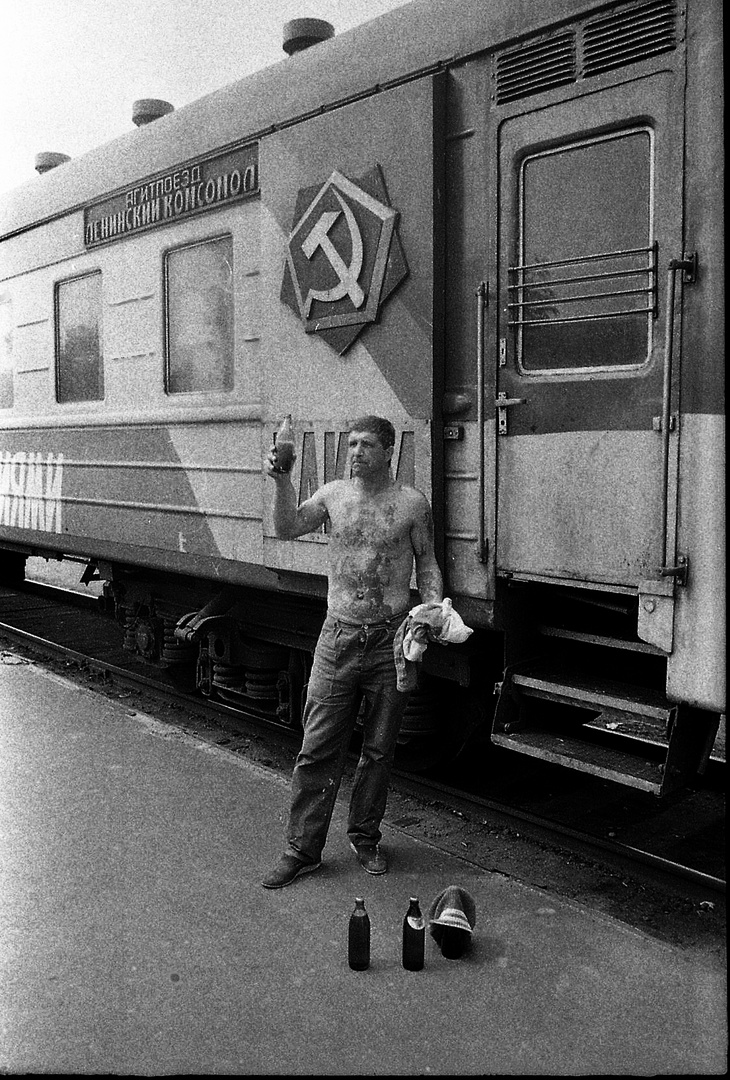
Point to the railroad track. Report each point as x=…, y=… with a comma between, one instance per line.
x=70, y=624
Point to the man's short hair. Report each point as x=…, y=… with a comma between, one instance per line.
x=378, y=425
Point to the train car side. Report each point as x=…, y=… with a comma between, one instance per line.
x=504, y=236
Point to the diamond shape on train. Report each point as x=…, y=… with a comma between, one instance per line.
x=344, y=256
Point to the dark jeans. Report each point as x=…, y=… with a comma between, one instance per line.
x=350, y=662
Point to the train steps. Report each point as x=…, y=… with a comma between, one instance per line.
x=628, y=734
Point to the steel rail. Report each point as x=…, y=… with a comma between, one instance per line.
x=212, y=709
x=623, y=854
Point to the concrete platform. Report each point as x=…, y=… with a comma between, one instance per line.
x=135, y=937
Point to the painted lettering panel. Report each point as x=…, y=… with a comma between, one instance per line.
x=178, y=193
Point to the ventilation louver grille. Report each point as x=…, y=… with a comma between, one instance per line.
x=628, y=35
x=535, y=68
x=624, y=36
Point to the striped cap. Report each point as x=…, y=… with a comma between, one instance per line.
x=453, y=907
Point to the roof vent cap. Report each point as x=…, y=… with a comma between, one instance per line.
x=49, y=160
x=145, y=110
x=300, y=34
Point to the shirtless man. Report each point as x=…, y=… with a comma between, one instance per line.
x=378, y=528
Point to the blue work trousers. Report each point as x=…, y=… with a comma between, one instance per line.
x=350, y=662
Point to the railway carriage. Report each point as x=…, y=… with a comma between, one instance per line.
x=497, y=224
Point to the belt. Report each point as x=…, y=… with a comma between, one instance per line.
x=397, y=619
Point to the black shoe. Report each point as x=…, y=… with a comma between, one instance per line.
x=371, y=858
x=288, y=868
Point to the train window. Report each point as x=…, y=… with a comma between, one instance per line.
x=199, y=322
x=79, y=362
x=584, y=289
x=6, y=354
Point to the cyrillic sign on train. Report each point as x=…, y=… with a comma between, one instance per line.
x=182, y=192
x=30, y=490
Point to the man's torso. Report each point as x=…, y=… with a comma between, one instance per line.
x=370, y=551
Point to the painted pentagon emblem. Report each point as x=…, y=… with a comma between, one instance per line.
x=344, y=257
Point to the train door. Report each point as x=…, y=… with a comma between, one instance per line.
x=590, y=211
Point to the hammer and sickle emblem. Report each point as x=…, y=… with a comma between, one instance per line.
x=348, y=275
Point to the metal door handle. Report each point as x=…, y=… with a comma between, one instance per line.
x=502, y=403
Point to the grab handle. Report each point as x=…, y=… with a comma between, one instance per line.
x=688, y=265
x=481, y=294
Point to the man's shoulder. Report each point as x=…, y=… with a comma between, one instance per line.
x=333, y=490
x=412, y=496
x=335, y=486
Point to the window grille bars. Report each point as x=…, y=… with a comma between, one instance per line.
x=527, y=299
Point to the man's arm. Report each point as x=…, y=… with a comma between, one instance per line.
x=291, y=520
x=428, y=575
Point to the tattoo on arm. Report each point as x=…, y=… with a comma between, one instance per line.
x=422, y=533
x=430, y=584
x=428, y=575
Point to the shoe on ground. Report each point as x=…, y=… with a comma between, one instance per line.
x=371, y=858
x=288, y=869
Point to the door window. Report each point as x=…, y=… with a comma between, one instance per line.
x=583, y=290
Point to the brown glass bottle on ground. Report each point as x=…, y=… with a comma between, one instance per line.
x=414, y=937
x=358, y=937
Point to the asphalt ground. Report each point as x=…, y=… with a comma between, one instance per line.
x=136, y=938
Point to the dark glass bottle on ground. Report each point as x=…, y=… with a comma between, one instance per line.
x=358, y=937
x=414, y=937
